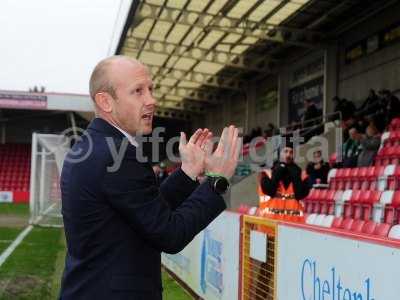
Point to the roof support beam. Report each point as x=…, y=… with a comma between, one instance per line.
x=201, y=78
x=273, y=35
x=206, y=21
x=171, y=113
x=212, y=80
x=161, y=97
x=190, y=94
x=171, y=104
x=225, y=59
x=169, y=47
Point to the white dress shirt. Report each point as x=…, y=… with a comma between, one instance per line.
x=130, y=138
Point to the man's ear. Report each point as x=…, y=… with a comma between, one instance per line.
x=104, y=102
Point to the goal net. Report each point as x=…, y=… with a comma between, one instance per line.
x=48, y=152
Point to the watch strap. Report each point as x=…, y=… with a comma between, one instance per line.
x=213, y=174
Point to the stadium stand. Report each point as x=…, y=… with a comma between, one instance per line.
x=15, y=162
x=362, y=200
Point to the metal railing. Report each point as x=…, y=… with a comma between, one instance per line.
x=309, y=125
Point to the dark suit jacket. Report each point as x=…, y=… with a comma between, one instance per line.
x=118, y=223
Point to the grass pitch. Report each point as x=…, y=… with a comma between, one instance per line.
x=14, y=209
x=34, y=270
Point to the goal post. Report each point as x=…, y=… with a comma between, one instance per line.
x=48, y=152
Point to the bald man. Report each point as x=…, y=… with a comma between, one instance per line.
x=117, y=220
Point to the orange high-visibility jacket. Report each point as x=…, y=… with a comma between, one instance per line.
x=284, y=198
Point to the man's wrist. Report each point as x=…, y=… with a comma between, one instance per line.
x=215, y=174
x=189, y=174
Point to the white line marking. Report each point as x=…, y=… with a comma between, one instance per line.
x=17, y=241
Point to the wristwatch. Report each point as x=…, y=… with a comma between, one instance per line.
x=218, y=183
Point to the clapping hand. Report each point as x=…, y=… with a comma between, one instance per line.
x=192, y=153
x=224, y=159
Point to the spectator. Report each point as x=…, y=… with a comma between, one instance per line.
x=317, y=170
x=391, y=105
x=371, y=105
x=311, y=112
x=270, y=131
x=345, y=107
x=362, y=124
x=370, y=143
x=378, y=120
x=258, y=132
x=351, y=148
x=311, y=120
x=255, y=132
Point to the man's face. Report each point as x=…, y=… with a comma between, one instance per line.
x=353, y=134
x=287, y=155
x=134, y=107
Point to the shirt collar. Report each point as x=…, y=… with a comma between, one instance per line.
x=130, y=138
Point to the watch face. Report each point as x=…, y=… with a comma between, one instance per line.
x=221, y=185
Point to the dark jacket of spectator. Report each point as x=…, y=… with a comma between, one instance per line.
x=369, y=147
x=392, y=107
x=371, y=105
x=316, y=171
x=346, y=107
x=311, y=113
x=351, y=149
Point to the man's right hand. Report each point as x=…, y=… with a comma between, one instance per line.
x=224, y=159
x=192, y=152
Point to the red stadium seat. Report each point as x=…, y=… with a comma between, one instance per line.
x=310, y=199
x=369, y=227
x=368, y=202
x=318, y=200
x=382, y=229
x=357, y=226
x=328, y=204
x=392, y=210
x=351, y=205
x=14, y=167
x=394, y=179
x=373, y=178
x=337, y=222
x=352, y=179
x=337, y=182
x=347, y=223
x=394, y=124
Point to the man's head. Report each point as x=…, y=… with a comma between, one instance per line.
x=354, y=134
x=121, y=88
x=286, y=155
x=307, y=103
x=372, y=93
x=371, y=130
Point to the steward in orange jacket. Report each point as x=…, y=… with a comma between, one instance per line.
x=281, y=188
